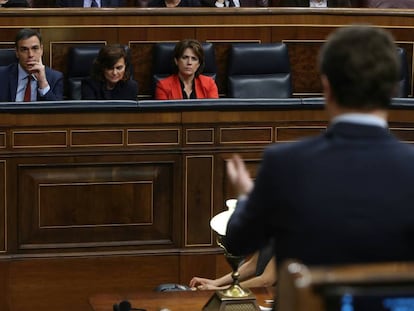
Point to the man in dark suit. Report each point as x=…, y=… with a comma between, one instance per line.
x=89, y=3
x=28, y=79
x=345, y=196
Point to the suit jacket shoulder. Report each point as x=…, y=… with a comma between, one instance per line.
x=112, y=3
x=8, y=82
x=254, y=3
x=69, y=3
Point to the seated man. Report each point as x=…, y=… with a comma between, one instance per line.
x=29, y=79
x=89, y=3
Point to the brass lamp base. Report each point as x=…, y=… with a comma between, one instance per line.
x=222, y=302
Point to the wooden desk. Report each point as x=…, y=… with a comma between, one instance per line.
x=175, y=301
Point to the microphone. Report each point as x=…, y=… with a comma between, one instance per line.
x=125, y=305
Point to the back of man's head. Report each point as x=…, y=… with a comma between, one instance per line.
x=362, y=67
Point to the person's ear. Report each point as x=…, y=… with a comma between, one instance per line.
x=331, y=105
x=326, y=88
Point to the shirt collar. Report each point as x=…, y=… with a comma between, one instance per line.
x=360, y=118
x=22, y=73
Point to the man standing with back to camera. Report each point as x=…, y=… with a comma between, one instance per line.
x=29, y=79
x=347, y=195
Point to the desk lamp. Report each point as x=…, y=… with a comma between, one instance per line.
x=234, y=297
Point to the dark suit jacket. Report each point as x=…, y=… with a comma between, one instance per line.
x=305, y=3
x=79, y=3
x=8, y=84
x=346, y=196
x=124, y=90
x=407, y=4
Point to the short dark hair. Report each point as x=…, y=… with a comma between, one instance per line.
x=107, y=58
x=197, y=48
x=27, y=33
x=362, y=66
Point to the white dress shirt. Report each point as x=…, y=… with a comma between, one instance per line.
x=318, y=3
x=87, y=3
x=21, y=86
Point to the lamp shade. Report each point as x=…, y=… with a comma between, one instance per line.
x=219, y=222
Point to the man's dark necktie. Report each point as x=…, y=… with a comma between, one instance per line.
x=28, y=91
x=94, y=4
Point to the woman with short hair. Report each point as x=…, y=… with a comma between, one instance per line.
x=110, y=76
x=187, y=82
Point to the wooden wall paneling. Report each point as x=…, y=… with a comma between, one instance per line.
x=3, y=207
x=252, y=161
x=293, y=133
x=66, y=283
x=404, y=134
x=4, y=285
x=201, y=266
x=198, y=194
x=95, y=204
x=60, y=40
x=303, y=56
x=141, y=59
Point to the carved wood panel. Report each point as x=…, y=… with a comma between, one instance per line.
x=3, y=210
x=84, y=205
x=199, y=171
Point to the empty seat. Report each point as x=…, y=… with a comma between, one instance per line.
x=404, y=81
x=258, y=70
x=7, y=56
x=163, y=61
x=80, y=60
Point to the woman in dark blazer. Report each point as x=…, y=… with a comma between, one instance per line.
x=110, y=76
